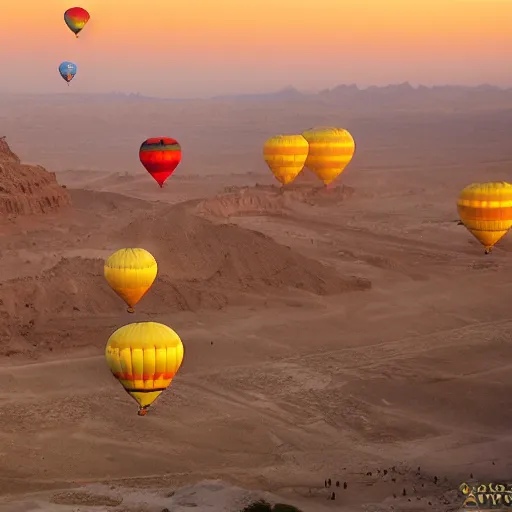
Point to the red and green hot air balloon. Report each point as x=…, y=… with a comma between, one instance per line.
x=160, y=156
x=76, y=18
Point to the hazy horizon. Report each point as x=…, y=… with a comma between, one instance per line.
x=269, y=92
x=237, y=48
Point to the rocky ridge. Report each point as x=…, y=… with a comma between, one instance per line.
x=27, y=189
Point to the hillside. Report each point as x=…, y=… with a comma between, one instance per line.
x=27, y=189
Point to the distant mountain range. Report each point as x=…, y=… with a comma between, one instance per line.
x=350, y=97
x=397, y=96
x=352, y=91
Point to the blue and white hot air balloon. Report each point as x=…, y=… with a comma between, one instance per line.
x=67, y=71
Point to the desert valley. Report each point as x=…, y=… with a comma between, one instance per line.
x=355, y=332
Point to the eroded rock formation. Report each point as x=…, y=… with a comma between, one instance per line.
x=27, y=189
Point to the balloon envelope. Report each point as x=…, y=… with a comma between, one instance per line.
x=330, y=151
x=485, y=209
x=131, y=273
x=76, y=18
x=67, y=71
x=144, y=357
x=285, y=155
x=160, y=156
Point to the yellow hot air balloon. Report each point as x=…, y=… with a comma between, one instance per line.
x=144, y=357
x=285, y=155
x=130, y=273
x=330, y=151
x=486, y=211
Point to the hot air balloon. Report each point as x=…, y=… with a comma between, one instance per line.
x=67, y=71
x=330, y=151
x=285, y=155
x=131, y=273
x=485, y=209
x=76, y=18
x=160, y=156
x=144, y=357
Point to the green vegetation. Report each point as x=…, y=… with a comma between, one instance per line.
x=263, y=506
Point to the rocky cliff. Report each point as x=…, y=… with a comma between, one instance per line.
x=27, y=189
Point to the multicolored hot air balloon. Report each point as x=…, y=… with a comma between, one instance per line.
x=76, y=18
x=160, y=156
x=485, y=209
x=67, y=71
x=285, y=155
x=144, y=357
x=330, y=151
x=131, y=273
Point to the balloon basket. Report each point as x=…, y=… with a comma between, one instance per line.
x=130, y=310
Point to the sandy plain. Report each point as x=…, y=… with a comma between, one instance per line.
x=329, y=333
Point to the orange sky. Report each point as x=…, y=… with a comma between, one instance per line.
x=206, y=47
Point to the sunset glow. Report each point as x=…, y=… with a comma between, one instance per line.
x=200, y=47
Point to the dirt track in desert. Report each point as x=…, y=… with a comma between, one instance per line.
x=329, y=333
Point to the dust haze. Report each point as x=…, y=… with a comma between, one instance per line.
x=356, y=333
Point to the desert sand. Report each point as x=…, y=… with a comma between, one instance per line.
x=356, y=333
